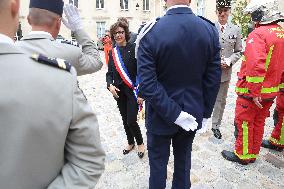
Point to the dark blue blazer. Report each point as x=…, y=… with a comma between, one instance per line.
x=179, y=69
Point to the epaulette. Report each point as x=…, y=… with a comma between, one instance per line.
x=143, y=31
x=206, y=20
x=55, y=62
x=74, y=43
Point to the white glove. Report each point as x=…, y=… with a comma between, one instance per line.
x=73, y=20
x=186, y=121
x=204, y=126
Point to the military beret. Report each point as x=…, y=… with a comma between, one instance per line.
x=223, y=4
x=55, y=6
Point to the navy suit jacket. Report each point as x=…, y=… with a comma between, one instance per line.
x=179, y=69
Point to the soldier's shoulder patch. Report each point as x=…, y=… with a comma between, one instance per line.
x=74, y=43
x=206, y=20
x=55, y=62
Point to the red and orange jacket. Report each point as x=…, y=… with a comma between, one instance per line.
x=263, y=63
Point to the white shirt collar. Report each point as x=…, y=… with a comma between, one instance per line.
x=225, y=26
x=6, y=39
x=40, y=32
x=177, y=6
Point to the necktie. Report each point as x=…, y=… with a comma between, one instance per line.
x=222, y=29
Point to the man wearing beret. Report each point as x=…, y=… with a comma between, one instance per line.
x=49, y=136
x=231, y=46
x=45, y=17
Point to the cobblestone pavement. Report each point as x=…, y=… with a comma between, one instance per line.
x=209, y=169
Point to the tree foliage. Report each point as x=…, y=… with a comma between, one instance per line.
x=241, y=19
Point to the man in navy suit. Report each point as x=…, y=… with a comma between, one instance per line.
x=179, y=69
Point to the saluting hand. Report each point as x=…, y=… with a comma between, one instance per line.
x=113, y=90
x=73, y=20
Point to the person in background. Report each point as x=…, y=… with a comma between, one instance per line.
x=107, y=45
x=178, y=99
x=230, y=38
x=49, y=135
x=46, y=23
x=258, y=80
x=122, y=82
x=276, y=140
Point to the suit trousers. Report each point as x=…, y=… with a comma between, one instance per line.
x=159, y=152
x=220, y=104
x=128, y=109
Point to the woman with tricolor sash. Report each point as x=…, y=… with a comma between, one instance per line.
x=123, y=84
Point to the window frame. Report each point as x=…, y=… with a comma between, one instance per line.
x=101, y=30
x=100, y=5
x=145, y=5
x=123, y=5
x=200, y=8
x=74, y=2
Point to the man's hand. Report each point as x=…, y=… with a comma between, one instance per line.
x=225, y=62
x=186, y=121
x=73, y=20
x=257, y=101
x=140, y=100
x=113, y=90
x=224, y=66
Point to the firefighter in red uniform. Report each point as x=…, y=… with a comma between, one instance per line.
x=258, y=80
x=107, y=45
x=276, y=140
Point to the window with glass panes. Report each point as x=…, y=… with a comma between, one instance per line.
x=101, y=27
x=100, y=4
x=74, y=2
x=200, y=7
x=124, y=4
x=146, y=5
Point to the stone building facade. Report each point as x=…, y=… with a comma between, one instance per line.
x=98, y=15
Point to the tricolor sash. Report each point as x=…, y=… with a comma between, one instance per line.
x=123, y=72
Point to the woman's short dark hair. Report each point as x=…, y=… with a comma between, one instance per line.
x=122, y=25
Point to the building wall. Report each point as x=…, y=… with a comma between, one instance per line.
x=109, y=14
x=111, y=11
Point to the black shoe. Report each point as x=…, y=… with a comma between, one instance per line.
x=140, y=154
x=217, y=133
x=127, y=151
x=231, y=156
x=269, y=145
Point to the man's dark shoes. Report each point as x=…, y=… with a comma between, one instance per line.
x=269, y=145
x=231, y=156
x=217, y=133
x=127, y=151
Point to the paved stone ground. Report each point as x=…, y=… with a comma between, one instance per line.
x=209, y=169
